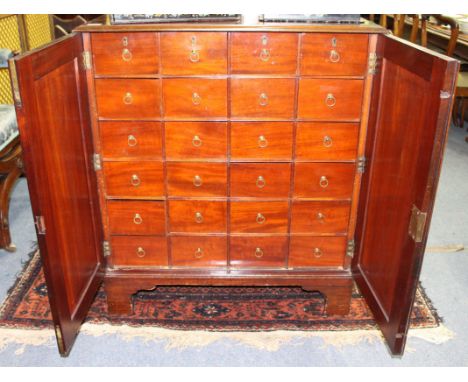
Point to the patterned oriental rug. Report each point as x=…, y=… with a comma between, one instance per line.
x=211, y=313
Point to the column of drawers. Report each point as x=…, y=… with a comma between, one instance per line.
x=228, y=149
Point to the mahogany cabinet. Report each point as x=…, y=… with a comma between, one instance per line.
x=269, y=154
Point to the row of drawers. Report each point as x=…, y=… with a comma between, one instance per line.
x=248, y=140
x=197, y=216
x=247, y=98
x=244, y=252
x=192, y=53
x=145, y=179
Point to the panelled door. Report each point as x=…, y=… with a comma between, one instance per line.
x=410, y=114
x=53, y=117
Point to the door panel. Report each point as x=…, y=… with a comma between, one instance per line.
x=56, y=138
x=407, y=130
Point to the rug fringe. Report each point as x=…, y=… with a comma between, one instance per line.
x=446, y=248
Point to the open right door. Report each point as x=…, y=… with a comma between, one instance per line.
x=410, y=114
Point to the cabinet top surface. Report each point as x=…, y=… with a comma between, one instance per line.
x=364, y=26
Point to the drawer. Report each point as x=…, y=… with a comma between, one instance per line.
x=199, y=251
x=324, y=180
x=330, y=99
x=197, y=179
x=185, y=53
x=258, y=251
x=117, y=54
x=334, y=54
x=259, y=217
x=134, y=179
x=260, y=180
x=138, y=251
x=313, y=251
x=265, y=98
x=320, y=217
x=269, y=53
x=326, y=141
x=196, y=140
x=261, y=141
x=197, y=216
x=136, y=218
x=198, y=98
x=128, y=98
x=135, y=140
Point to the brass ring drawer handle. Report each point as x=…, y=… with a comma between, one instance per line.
x=260, y=218
x=196, y=141
x=320, y=216
x=137, y=219
x=197, y=181
x=194, y=56
x=198, y=217
x=262, y=141
x=261, y=182
x=334, y=56
x=135, y=181
x=323, y=182
x=263, y=99
x=327, y=141
x=330, y=101
x=265, y=55
x=132, y=141
x=196, y=99
x=317, y=252
x=128, y=98
x=258, y=252
x=126, y=55
x=141, y=252
x=198, y=253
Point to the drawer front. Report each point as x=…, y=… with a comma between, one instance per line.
x=334, y=54
x=139, y=251
x=195, y=98
x=128, y=98
x=196, y=140
x=326, y=141
x=125, y=53
x=197, y=179
x=330, y=99
x=269, y=53
x=199, y=251
x=136, y=218
x=312, y=251
x=197, y=216
x=185, y=53
x=259, y=217
x=320, y=217
x=258, y=251
x=261, y=140
x=324, y=180
x=260, y=179
x=262, y=98
x=134, y=179
x=131, y=140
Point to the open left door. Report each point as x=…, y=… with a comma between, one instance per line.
x=411, y=103
x=52, y=108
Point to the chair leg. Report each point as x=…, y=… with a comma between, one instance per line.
x=6, y=186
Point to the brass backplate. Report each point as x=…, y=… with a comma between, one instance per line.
x=417, y=224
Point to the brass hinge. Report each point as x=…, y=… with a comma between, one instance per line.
x=106, y=249
x=361, y=164
x=97, y=162
x=372, y=63
x=86, y=60
x=15, y=83
x=350, y=248
x=417, y=224
x=40, y=226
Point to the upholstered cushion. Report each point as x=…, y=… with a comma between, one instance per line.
x=8, y=125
